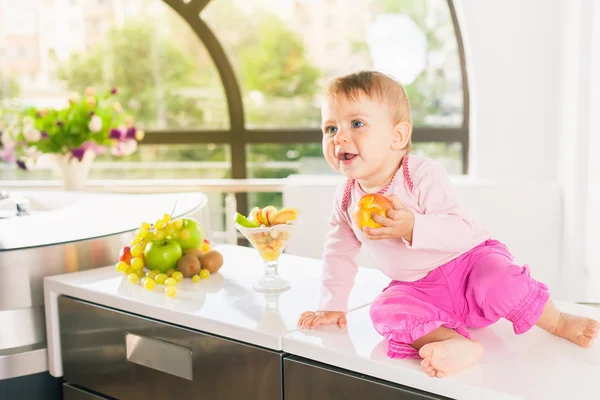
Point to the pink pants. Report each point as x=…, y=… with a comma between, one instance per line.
x=474, y=290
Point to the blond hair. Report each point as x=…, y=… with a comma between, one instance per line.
x=377, y=86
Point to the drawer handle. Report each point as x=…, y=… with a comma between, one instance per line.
x=158, y=355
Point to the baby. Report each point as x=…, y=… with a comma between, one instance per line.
x=447, y=273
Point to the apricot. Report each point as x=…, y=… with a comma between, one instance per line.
x=366, y=206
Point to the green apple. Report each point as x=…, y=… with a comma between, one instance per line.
x=162, y=254
x=193, y=239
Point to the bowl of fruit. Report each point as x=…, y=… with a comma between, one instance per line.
x=269, y=230
x=165, y=253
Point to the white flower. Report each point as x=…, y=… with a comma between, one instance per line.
x=95, y=124
x=6, y=138
x=128, y=147
x=31, y=134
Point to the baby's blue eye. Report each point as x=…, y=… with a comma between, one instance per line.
x=331, y=129
x=357, y=124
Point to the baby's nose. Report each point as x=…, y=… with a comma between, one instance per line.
x=342, y=136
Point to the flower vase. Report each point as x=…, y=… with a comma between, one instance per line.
x=74, y=172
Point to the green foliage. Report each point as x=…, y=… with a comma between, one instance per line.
x=88, y=119
x=149, y=70
x=277, y=65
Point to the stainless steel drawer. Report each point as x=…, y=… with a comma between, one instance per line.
x=74, y=393
x=130, y=357
x=307, y=379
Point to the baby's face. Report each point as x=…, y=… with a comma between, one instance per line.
x=357, y=135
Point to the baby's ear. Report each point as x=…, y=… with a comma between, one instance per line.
x=402, y=134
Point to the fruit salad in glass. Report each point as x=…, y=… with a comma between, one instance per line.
x=268, y=230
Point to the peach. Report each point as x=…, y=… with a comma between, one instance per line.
x=366, y=206
x=267, y=214
x=284, y=215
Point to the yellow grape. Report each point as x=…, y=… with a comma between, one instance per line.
x=169, y=272
x=152, y=274
x=184, y=234
x=122, y=266
x=140, y=273
x=143, y=280
x=177, y=224
x=170, y=282
x=149, y=236
x=160, y=224
x=136, y=250
x=196, y=278
x=204, y=273
x=149, y=284
x=137, y=263
x=160, y=278
x=129, y=271
x=159, y=235
x=170, y=291
x=135, y=240
x=145, y=226
x=166, y=218
x=169, y=230
x=178, y=276
x=133, y=278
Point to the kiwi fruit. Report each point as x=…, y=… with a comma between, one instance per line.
x=212, y=261
x=189, y=265
x=195, y=252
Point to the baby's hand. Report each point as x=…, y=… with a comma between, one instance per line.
x=311, y=319
x=399, y=223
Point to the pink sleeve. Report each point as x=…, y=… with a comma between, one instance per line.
x=442, y=226
x=339, y=262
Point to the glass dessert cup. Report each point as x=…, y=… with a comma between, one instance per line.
x=269, y=242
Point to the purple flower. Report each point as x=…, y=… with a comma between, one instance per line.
x=44, y=134
x=21, y=164
x=59, y=123
x=79, y=152
x=8, y=154
x=130, y=133
x=115, y=134
x=113, y=91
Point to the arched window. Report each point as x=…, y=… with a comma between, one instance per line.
x=231, y=88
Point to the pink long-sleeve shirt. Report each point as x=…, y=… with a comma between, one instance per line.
x=442, y=232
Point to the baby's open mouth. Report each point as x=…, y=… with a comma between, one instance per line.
x=346, y=156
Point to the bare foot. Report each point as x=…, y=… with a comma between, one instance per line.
x=579, y=330
x=449, y=356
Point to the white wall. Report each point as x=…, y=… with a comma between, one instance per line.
x=533, y=87
x=592, y=260
x=512, y=49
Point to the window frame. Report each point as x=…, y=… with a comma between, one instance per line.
x=238, y=136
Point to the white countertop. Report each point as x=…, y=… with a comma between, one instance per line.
x=535, y=365
x=224, y=304
x=83, y=216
